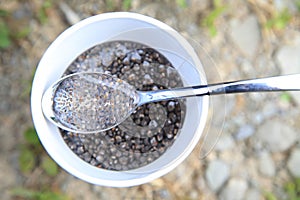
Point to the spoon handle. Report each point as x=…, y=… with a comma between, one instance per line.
x=278, y=83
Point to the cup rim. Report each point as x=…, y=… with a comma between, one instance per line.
x=37, y=112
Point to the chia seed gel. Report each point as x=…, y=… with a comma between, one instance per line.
x=91, y=102
x=151, y=129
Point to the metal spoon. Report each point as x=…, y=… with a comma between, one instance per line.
x=93, y=102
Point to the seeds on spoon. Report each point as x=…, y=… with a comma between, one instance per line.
x=89, y=102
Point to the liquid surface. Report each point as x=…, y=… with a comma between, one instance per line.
x=90, y=102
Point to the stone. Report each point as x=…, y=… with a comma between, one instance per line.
x=276, y=135
x=70, y=15
x=163, y=194
x=266, y=165
x=225, y=142
x=282, y=5
x=182, y=175
x=246, y=35
x=234, y=190
x=288, y=60
x=244, y=132
x=252, y=194
x=294, y=163
x=217, y=174
x=76, y=189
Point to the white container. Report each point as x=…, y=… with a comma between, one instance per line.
x=104, y=28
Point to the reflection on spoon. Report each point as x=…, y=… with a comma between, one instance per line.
x=93, y=102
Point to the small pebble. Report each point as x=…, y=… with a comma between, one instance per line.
x=245, y=132
x=266, y=165
x=294, y=163
x=217, y=174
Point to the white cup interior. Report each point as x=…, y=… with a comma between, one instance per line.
x=108, y=27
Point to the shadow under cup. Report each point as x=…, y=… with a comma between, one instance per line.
x=120, y=27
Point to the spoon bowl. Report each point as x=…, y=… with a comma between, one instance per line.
x=89, y=102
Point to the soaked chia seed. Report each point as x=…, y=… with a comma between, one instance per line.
x=151, y=129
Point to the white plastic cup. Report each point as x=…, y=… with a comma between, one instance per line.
x=108, y=27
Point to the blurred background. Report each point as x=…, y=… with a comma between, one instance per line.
x=258, y=153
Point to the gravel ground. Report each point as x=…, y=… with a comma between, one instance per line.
x=258, y=152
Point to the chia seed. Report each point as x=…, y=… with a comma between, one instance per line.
x=151, y=129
